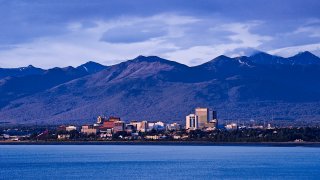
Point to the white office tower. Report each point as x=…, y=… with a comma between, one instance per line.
x=192, y=122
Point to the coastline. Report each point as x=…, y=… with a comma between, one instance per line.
x=165, y=143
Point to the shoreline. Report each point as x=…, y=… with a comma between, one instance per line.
x=166, y=143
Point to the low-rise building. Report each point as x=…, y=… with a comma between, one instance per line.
x=71, y=128
x=130, y=128
x=108, y=124
x=154, y=137
x=113, y=118
x=88, y=129
x=232, y=126
x=156, y=126
x=212, y=124
x=140, y=126
x=63, y=136
x=173, y=127
x=118, y=126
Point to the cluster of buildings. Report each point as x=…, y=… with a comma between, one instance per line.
x=203, y=119
x=104, y=128
x=107, y=127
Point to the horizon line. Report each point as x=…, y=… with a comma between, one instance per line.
x=146, y=56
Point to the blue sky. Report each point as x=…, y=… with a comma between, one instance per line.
x=61, y=33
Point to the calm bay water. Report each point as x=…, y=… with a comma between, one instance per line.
x=157, y=162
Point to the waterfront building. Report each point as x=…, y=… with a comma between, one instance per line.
x=155, y=137
x=156, y=126
x=130, y=128
x=203, y=116
x=192, y=122
x=135, y=124
x=88, y=129
x=63, y=136
x=151, y=125
x=105, y=132
x=173, y=127
x=108, y=124
x=144, y=126
x=71, y=128
x=118, y=126
x=212, y=124
x=232, y=126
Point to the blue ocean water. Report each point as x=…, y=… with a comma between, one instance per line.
x=157, y=162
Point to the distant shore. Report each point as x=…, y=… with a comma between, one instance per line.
x=176, y=143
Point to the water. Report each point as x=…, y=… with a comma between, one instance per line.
x=157, y=162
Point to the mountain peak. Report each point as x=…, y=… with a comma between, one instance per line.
x=304, y=58
x=30, y=66
x=141, y=58
x=264, y=58
x=91, y=67
x=155, y=59
x=306, y=53
x=91, y=63
x=260, y=54
x=222, y=57
x=219, y=58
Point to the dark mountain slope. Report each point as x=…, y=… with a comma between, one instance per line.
x=305, y=58
x=152, y=88
x=12, y=88
x=91, y=67
x=22, y=71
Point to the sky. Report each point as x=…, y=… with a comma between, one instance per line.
x=59, y=33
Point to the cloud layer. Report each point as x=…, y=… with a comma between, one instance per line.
x=60, y=34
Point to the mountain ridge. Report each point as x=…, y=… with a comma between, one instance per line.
x=304, y=54
x=153, y=88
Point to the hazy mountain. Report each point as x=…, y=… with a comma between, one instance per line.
x=13, y=87
x=264, y=58
x=22, y=71
x=152, y=88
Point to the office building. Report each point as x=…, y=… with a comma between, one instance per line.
x=191, y=122
x=203, y=116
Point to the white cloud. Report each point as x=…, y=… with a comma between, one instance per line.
x=290, y=51
x=240, y=37
x=83, y=44
x=186, y=39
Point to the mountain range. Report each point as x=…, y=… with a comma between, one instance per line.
x=259, y=87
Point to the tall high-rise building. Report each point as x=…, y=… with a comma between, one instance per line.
x=213, y=115
x=203, y=116
x=213, y=120
x=192, y=122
